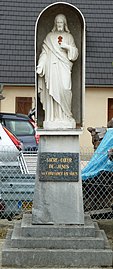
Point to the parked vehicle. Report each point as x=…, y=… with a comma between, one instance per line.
x=23, y=127
x=9, y=145
x=10, y=148
x=16, y=185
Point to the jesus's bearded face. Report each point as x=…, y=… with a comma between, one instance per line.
x=60, y=24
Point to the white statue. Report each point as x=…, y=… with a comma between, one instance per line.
x=54, y=75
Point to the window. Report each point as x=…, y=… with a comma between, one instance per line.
x=20, y=127
x=23, y=105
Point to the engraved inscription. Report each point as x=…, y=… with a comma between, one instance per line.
x=58, y=166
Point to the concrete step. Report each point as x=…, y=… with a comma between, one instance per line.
x=58, y=243
x=49, y=246
x=40, y=230
x=37, y=231
x=56, y=258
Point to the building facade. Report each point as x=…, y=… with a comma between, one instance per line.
x=17, y=58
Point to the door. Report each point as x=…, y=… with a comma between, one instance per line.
x=23, y=105
x=110, y=108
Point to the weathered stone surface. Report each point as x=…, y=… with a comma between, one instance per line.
x=60, y=200
x=29, y=245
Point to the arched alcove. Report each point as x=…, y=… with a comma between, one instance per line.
x=76, y=25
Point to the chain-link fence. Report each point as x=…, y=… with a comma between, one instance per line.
x=97, y=189
x=17, y=181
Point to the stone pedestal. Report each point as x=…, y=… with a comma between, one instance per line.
x=57, y=234
x=56, y=246
x=58, y=188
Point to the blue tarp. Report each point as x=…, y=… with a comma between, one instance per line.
x=100, y=161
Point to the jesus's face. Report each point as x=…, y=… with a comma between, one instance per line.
x=60, y=24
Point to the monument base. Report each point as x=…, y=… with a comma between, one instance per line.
x=57, y=124
x=56, y=246
x=58, y=203
x=58, y=188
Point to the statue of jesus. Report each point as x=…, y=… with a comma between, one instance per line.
x=54, y=75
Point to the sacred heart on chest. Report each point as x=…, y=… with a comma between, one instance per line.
x=60, y=39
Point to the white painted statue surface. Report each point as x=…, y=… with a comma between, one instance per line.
x=54, y=75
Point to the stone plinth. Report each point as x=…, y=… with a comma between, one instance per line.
x=50, y=246
x=58, y=188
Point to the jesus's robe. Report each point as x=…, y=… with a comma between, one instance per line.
x=54, y=80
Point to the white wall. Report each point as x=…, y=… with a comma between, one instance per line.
x=11, y=92
x=96, y=110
